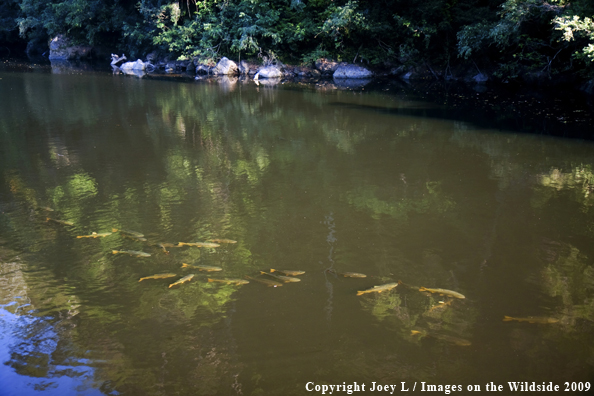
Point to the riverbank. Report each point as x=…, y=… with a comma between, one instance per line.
x=507, y=106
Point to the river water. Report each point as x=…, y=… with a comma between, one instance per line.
x=326, y=181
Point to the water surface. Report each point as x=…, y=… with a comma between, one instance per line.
x=335, y=179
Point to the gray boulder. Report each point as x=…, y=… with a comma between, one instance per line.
x=202, y=69
x=268, y=72
x=244, y=68
x=480, y=78
x=326, y=66
x=138, y=65
x=352, y=71
x=61, y=49
x=225, y=67
x=588, y=87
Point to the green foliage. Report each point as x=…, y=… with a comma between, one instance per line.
x=82, y=20
x=526, y=39
x=575, y=28
x=8, y=14
x=519, y=35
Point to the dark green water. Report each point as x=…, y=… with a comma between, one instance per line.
x=302, y=180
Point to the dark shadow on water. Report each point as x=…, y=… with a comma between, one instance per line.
x=534, y=112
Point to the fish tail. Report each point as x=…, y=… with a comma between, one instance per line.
x=263, y=273
x=414, y=332
x=114, y=230
x=272, y=270
x=507, y=318
x=115, y=251
x=79, y=236
x=360, y=292
x=210, y=280
x=184, y=265
x=422, y=289
x=141, y=279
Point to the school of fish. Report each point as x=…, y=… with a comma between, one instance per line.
x=288, y=276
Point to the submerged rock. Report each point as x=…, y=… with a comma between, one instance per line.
x=268, y=81
x=228, y=83
x=351, y=83
x=352, y=71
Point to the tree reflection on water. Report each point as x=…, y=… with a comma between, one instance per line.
x=301, y=183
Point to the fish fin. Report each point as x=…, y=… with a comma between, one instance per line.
x=210, y=280
x=263, y=273
x=114, y=230
x=507, y=318
x=360, y=292
x=141, y=279
x=422, y=289
x=415, y=332
x=272, y=270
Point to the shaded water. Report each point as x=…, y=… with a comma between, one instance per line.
x=339, y=180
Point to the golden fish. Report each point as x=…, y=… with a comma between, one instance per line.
x=185, y=279
x=164, y=246
x=443, y=337
x=288, y=272
x=349, y=274
x=132, y=253
x=282, y=277
x=128, y=232
x=158, y=276
x=134, y=237
x=444, y=292
x=199, y=244
x=68, y=223
x=267, y=282
x=95, y=235
x=207, y=268
x=532, y=319
x=441, y=305
x=222, y=240
x=378, y=289
x=229, y=280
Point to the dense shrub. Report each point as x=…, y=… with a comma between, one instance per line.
x=514, y=35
